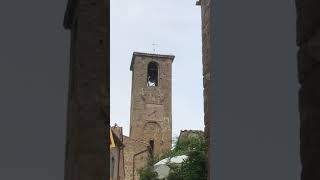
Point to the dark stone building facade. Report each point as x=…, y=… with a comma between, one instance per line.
x=206, y=37
x=206, y=58
x=308, y=41
x=86, y=155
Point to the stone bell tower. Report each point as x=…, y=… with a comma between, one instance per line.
x=151, y=109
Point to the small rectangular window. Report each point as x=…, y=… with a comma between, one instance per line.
x=151, y=142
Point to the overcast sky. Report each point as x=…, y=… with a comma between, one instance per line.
x=176, y=27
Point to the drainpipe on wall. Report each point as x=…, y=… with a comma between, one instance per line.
x=124, y=171
x=119, y=158
x=134, y=161
x=119, y=154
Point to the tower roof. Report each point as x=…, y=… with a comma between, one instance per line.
x=140, y=54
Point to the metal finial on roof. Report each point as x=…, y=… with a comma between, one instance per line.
x=154, y=49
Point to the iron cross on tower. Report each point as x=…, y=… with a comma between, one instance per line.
x=154, y=47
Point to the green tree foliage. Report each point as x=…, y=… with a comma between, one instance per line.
x=148, y=174
x=194, y=168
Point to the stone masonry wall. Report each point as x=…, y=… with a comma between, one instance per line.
x=187, y=134
x=206, y=38
x=86, y=154
x=132, y=160
x=205, y=13
x=308, y=40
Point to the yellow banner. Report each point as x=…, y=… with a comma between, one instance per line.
x=112, y=144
